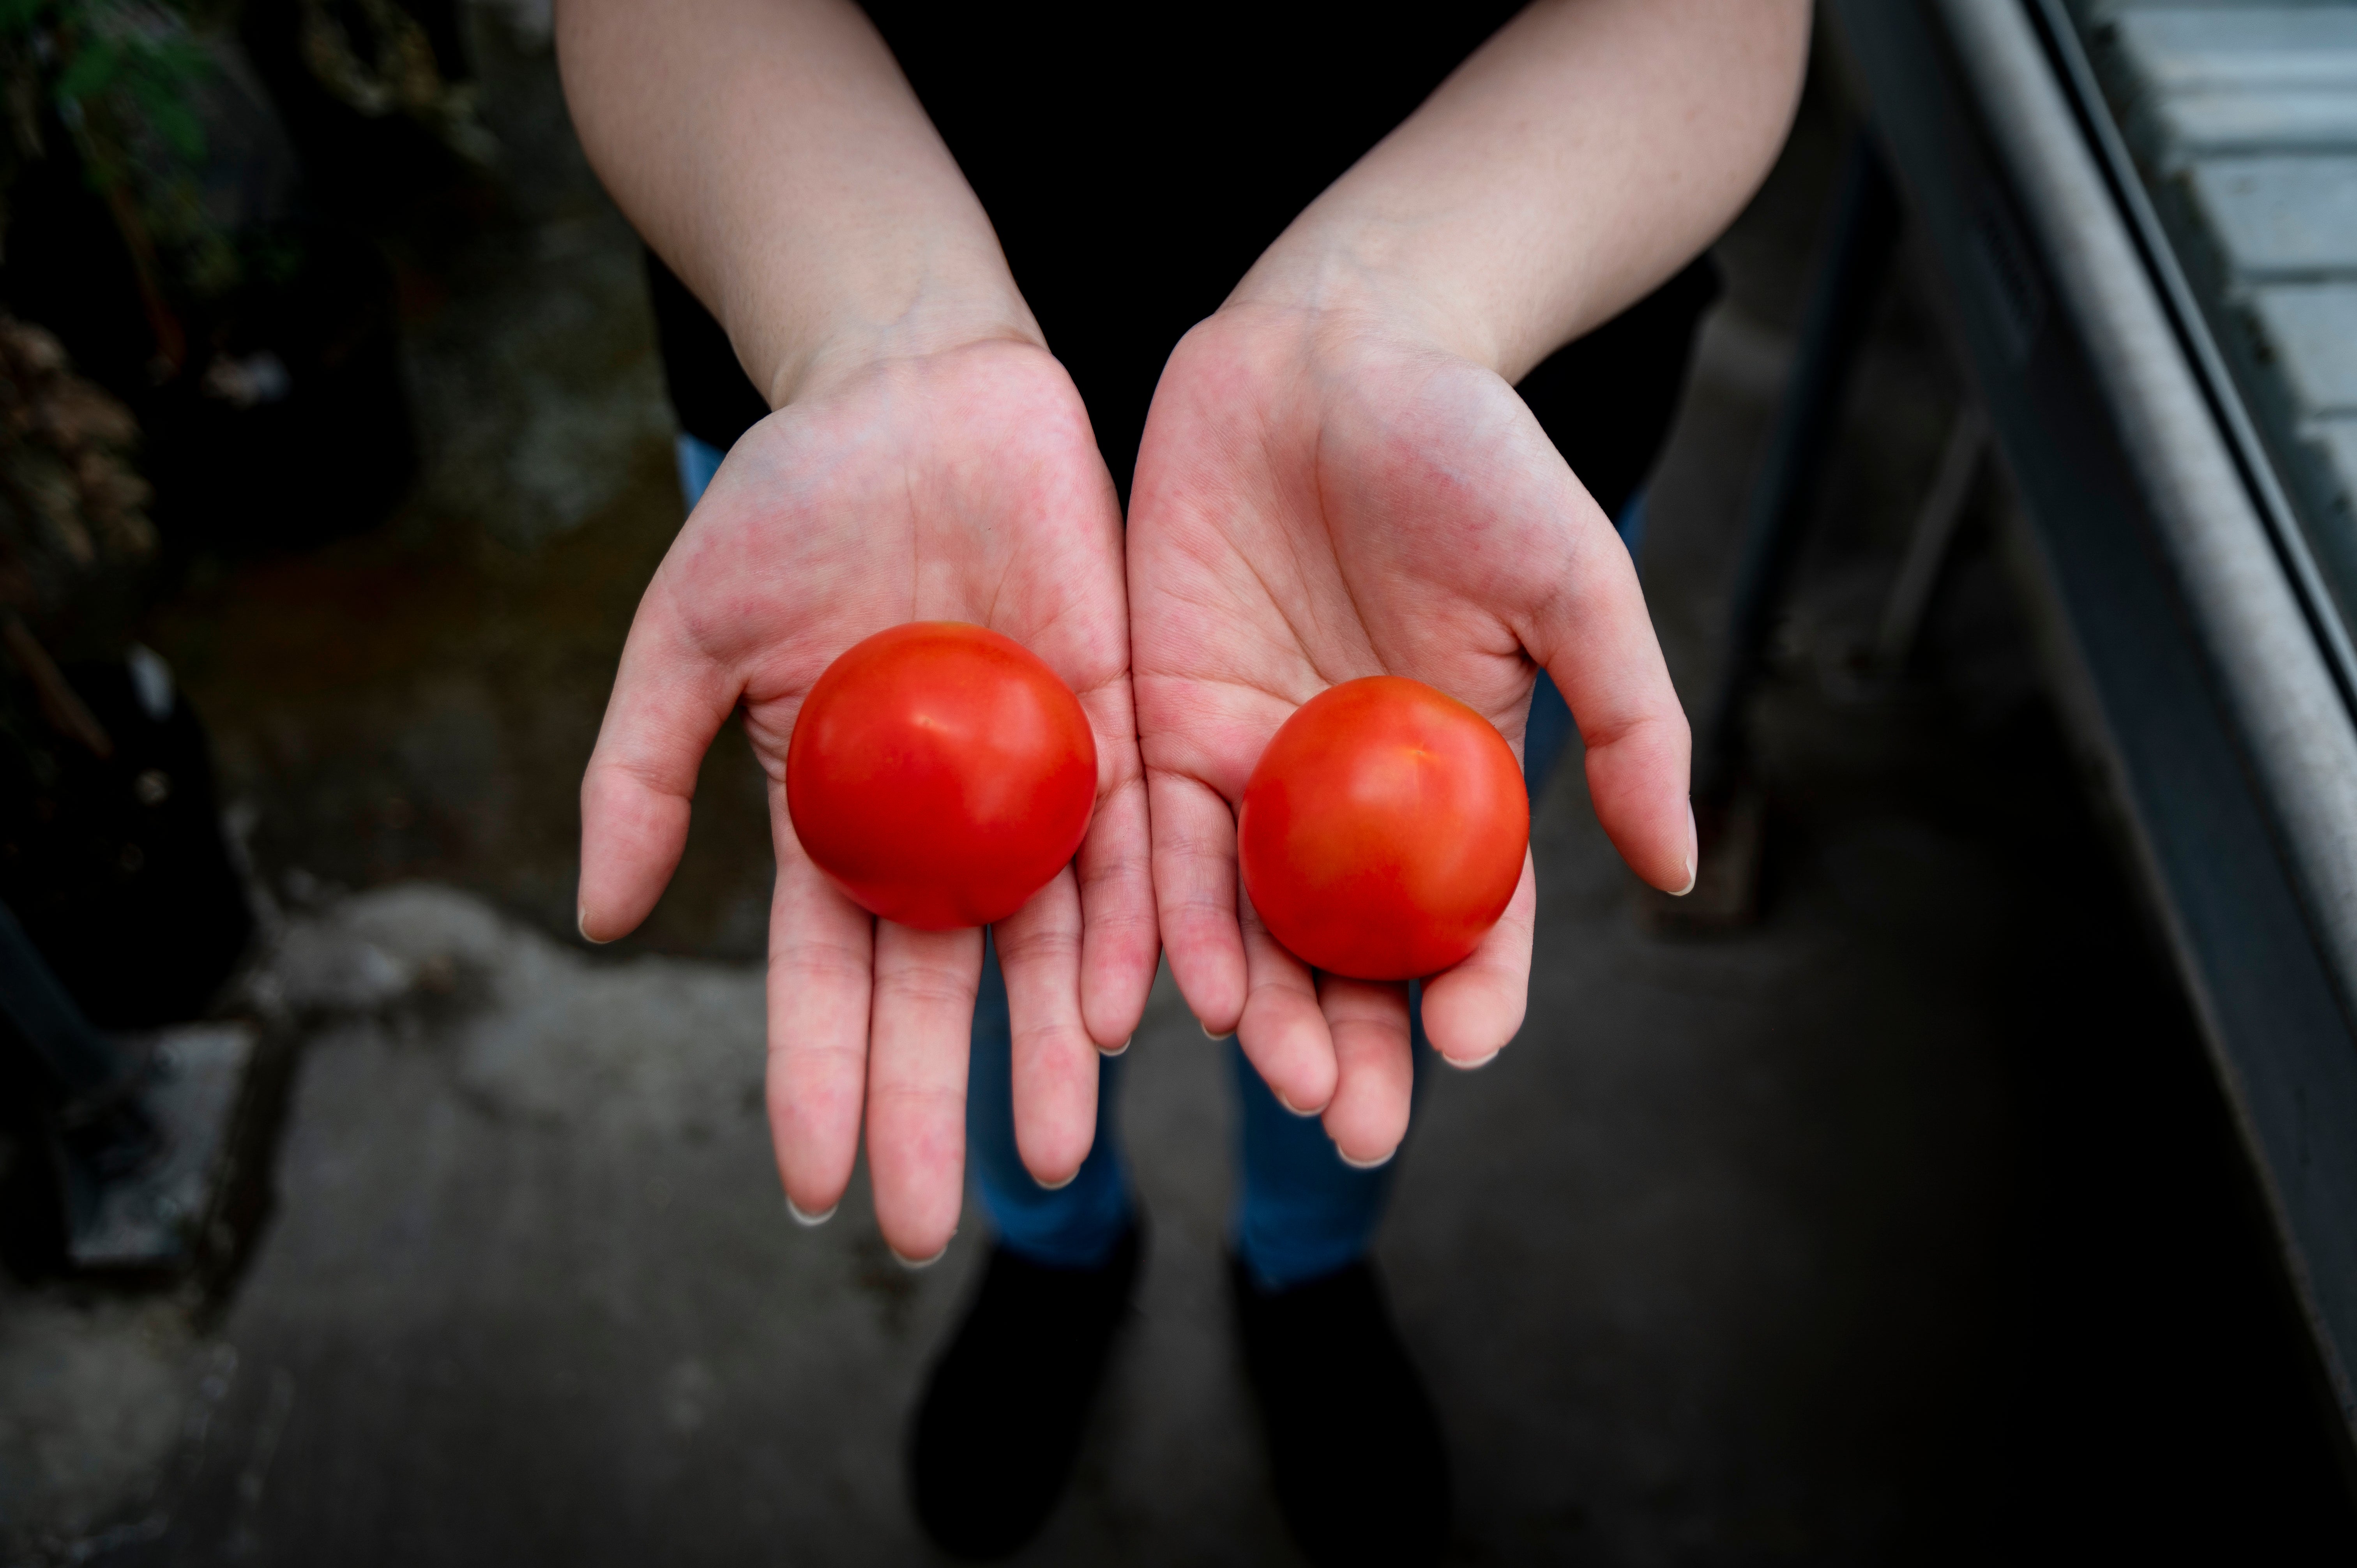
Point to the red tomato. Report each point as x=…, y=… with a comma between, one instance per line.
x=939, y=773
x=1383, y=831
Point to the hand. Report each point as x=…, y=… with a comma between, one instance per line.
x=956, y=485
x=1323, y=494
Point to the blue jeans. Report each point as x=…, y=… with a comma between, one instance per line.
x=1300, y=1212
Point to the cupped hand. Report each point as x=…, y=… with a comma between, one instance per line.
x=1322, y=495
x=959, y=485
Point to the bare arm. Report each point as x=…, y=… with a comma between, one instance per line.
x=1581, y=157
x=927, y=459
x=1337, y=480
x=772, y=153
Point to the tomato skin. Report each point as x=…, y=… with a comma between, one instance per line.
x=939, y=773
x=1382, y=831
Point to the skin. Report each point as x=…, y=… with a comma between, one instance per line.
x=928, y=460
x=1337, y=480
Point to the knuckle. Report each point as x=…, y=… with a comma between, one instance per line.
x=819, y=963
x=925, y=988
x=914, y=1100
x=1039, y=945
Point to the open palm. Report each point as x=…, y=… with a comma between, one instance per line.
x=957, y=486
x=1319, y=500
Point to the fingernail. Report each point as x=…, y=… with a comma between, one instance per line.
x=1468, y=1064
x=914, y=1263
x=807, y=1219
x=1114, y=1050
x=1376, y=1165
x=1694, y=849
x=1058, y=1186
x=1207, y=1031
x=1293, y=1110
x=581, y=924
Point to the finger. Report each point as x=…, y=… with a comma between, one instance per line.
x=919, y=1027
x=1597, y=641
x=822, y=961
x=1120, y=937
x=1472, y=1010
x=669, y=700
x=1055, y=1065
x=1195, y=892
x=1375, y=1071
x=1282, y=1031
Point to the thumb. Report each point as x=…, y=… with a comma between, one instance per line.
x=1597, y=641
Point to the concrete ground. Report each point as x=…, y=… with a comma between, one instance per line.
x=1906, y=1226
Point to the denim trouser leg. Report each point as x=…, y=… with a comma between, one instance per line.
x=1071, y=1227
x=1300, y=1211
x=698, y=461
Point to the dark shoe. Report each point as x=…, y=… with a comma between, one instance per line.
x=1354, y=1445
x=1000, y=1423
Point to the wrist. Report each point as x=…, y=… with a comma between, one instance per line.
x=1365, y=276
x=935, y=316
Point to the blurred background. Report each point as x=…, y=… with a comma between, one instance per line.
x=1901, y=1219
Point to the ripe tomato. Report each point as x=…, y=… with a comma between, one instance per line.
x=939, y=773
x=1383, y=831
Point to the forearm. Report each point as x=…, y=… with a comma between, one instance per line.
x=774, y=155
x=1582, y=155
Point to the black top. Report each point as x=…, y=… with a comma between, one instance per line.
x=1136, y=162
